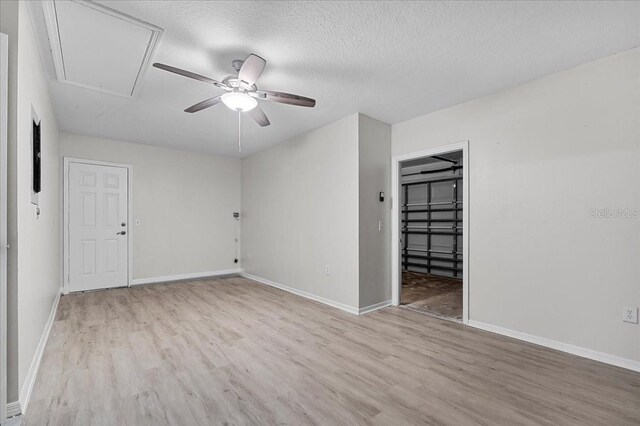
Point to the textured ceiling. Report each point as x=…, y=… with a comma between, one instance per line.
x=390, y=60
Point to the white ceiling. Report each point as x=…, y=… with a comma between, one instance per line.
x=390, y=60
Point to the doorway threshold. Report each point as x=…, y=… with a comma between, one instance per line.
x=431, y=314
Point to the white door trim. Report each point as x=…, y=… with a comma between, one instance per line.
x=65, y=261
x=396, y=281
x=4, y=81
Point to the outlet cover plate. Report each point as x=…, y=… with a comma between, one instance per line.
x=630, y=315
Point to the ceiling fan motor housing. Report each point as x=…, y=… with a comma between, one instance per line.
x=237, y=64
x=238, y=85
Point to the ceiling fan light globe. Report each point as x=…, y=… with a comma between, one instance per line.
x=239, y=101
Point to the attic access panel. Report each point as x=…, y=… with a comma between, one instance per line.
x=98, y=48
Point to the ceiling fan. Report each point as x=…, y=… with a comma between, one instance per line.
x=241, y=93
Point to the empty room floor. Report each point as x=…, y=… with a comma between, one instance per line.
x=231, y=351
x=439, y=296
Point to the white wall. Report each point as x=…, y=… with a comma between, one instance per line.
x=374, y=167
x=312, y=201
x=542, y=155
x=300, y=212
x=38, y=251
x=184, y=201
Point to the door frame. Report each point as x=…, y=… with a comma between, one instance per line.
x=65, y=203
x=4, y=111
x=396, y=279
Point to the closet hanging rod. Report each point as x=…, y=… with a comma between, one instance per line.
x=428, y=172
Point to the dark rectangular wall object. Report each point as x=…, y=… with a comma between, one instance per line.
x=37, y=159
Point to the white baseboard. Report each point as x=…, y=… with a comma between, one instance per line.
x=332, y=303
x=191, y=276
x=374, y=307
x=27, y=386
x=560, y=346
x=13, y=409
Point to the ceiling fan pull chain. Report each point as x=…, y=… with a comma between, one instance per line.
x=239, y=131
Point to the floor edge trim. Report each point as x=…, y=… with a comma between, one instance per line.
x=179, y=277
x=301, y=293
x=374, y=307
x=30, y=380
x=580, y=351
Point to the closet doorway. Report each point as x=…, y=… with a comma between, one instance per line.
x=430, y=234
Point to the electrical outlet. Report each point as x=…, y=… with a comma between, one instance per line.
x=630, y=314
x=379, y=225
x=327, y=270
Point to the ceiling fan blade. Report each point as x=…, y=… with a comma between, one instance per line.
x=204, y=104
x=259, y=116
x=284, y=98
x=251, y=69
x=188, y=74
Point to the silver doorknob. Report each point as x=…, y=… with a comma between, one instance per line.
x=122, y=233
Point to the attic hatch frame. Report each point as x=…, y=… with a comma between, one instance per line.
x=53, y=33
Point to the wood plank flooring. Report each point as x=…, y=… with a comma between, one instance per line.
x=231, y=351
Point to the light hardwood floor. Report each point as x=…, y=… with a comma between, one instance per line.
x=231, y=351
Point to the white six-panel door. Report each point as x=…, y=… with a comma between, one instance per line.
x=97, y=226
